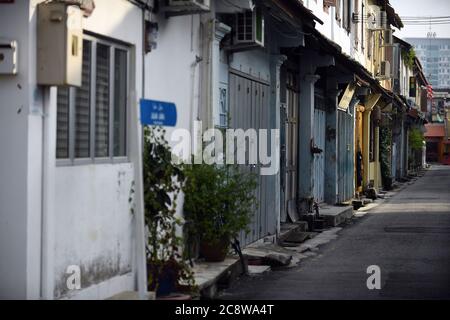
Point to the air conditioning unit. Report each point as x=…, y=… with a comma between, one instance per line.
x=385, y=70
x=378, y=20
x=189, y=5
x=250, y=28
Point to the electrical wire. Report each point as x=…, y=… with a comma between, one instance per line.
x=423, y=20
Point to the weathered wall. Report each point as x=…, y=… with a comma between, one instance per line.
x=94, y=227
x=16, y=93
x=89, y=209
x=330, y=27
x=172, y=73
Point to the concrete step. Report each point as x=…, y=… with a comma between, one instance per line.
x=335, y=215
x=297, y=238
x=357, y=203
x=258, y=270
x=267, y=254
x=288, y=229
x=210, y=276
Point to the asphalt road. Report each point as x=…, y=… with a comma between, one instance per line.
x=408, y=237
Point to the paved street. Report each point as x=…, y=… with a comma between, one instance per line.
x=408, y=237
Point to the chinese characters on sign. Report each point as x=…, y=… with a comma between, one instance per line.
x=158, y=113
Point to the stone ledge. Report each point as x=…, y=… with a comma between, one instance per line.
x=208, y=275
x=335, y=215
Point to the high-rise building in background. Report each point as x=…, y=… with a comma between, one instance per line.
x=434, y=54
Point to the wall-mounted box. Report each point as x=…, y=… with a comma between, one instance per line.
x=8, y=57
x=59, y=44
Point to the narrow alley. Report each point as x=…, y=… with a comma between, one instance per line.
x=408, y=237
x=203, y=150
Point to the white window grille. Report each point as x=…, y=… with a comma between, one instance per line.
x=92, y=119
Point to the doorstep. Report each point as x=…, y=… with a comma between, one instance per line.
x=289, y=229
x=267, y=254
x=335, y=215
x=258, y=270
x=209, y=276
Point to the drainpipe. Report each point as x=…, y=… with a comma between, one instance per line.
x=193, y=113
x=140, y=221
x=48, y=197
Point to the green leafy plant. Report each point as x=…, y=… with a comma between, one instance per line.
x=416, y=139
x=219, y=201
x=162, y=184
x=385, y=156
x=408, y=57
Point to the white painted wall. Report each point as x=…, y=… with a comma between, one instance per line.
x=15, y=118
x=94, y=227
x=330, y=27
x=171, y=72
x=89, y=209
x=405, y=73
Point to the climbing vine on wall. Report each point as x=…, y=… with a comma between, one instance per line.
x=385, y=156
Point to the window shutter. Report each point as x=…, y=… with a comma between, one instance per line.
x=62, y=126
x=92, y=119
x=83, y=107
x=102, y=102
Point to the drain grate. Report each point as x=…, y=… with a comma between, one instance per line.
x=405, y=229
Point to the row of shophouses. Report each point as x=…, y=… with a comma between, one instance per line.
x=329, y=75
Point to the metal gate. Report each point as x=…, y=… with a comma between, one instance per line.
x=249, y=108
x=346, y=157
x=291, y=134
x=319, y=140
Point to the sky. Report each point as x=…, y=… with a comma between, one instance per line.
x=421, y=8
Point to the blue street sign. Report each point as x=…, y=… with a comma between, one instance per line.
x=158, y=113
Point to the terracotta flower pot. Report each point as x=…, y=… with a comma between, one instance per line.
x=214, y=251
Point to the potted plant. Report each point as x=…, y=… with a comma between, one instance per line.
x=218, y=204
x=163, y=180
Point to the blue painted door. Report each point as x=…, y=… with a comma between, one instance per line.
x=249, y=109
x=319, y=158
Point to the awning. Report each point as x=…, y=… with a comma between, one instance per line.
x=362, y=74
x=393, y=17
x=294, y=9
x=434, y=130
